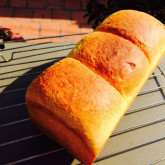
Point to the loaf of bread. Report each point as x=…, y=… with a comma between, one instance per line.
x=79, y=100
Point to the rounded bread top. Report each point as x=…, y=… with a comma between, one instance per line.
x=140, y=28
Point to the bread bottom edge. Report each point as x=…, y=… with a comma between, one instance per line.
x=60, y=133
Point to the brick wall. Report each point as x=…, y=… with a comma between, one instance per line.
x=40, y=18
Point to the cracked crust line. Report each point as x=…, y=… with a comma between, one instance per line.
x=138, y=43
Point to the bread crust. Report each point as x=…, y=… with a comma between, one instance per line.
x=139, y=28
x=59, y=132
x=83, y=101
x=79, y=100
x=114, y=58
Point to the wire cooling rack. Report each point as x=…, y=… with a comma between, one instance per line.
x=138, y=139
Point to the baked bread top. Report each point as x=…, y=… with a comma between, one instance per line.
x=140, y=28
x=116, y=59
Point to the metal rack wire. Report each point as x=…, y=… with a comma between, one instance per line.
x=19, y=64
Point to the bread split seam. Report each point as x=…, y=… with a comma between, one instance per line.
x=116, y=32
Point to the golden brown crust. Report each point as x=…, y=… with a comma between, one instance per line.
x=116, y=59
x=59, y=132
x=79, y=103
x=140, y=28
x=83, y=100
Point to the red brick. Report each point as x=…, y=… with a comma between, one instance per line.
x=3, y=3
x=69, y=29
x=78, y=16
x=85, y=29
x=54, y=4
x=6, y=13
x=61, y=16
x=29, y=29
x=42, y=15
x=84, y=4
x=36, y=3
x=72, y=4
x=26, y=37
x=65, y=39
x=49, y=29
x=17, y=3
x=61, y=39
x=12, y=25
x=40, y=40
x=22, y=14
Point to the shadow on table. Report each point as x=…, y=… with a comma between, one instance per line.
x=21, y=141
